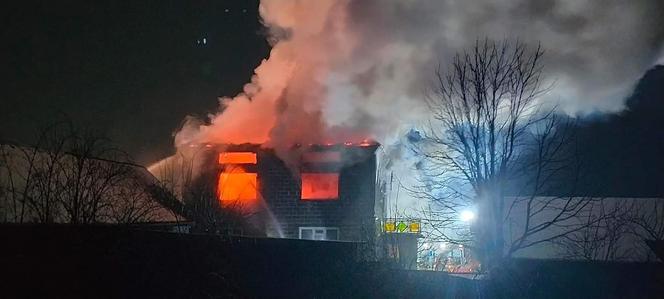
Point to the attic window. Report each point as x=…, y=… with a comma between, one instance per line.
x=320, y=186
x=237, y=158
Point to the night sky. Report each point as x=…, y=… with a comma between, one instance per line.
x=130, y=69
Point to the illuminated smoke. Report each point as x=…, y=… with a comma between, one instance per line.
x=284, y=102
x=347, y=70
x=342, y=70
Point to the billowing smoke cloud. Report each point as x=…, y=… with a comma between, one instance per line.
x=285, y=101
x=596, y=49
x=342, y=70
x=347, y=70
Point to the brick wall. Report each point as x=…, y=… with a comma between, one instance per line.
x=352, y=212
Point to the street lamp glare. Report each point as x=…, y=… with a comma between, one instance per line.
x=467, y=216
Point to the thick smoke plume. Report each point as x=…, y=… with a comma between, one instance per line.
x=348, y=70
x=342, y=70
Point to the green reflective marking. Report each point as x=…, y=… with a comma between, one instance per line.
x=401, y=226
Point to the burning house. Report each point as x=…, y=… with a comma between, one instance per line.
x=318, y=192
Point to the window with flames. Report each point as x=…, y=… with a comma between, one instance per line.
x=237, y=182
x=320, y=183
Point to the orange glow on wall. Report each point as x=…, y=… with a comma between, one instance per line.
x=237, y=158
x=320, y=186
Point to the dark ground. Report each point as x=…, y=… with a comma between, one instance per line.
x=119, y=262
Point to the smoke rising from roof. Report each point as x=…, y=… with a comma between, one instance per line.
x=347, y=70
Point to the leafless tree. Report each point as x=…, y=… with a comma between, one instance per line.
x=12, y=204
x=205, y=208
x=33, y=176
x=92, y=170
x=133, y=202
x=617, y=229
x=646, y=221
x=185, y=187
x=73, y=177
x=489, y=128
x=648, y=216
x=603, y=234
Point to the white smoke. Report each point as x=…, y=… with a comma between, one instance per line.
x=343, y=70
x=596, y=49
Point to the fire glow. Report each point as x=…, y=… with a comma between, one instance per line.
x=287, y=101
x=237, y=158
x=316, y=185
x=237, y=186
x=238, y=181
x=320, y=186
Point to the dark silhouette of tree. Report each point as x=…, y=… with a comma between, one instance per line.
x=72, y=176
x=617, y=229
x=187, y=186
x=602, y=237
x=646, y=222
x=490, y=128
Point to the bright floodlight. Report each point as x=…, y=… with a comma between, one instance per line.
x=467, y=216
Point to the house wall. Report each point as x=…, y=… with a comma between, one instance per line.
x=352, y=213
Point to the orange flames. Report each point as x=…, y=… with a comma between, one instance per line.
x=238, y=182
x=320, y=186
x=287, y=99
x=236, y=186
x=237, y=158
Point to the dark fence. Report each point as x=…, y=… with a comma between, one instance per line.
x=111, y=261
x=59, y=261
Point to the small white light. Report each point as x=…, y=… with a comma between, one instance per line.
x=204, y=41
x=467, y=216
